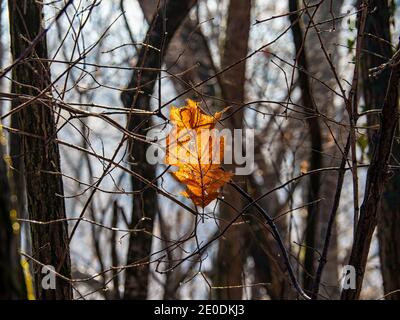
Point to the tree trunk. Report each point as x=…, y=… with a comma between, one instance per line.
x=144, y=206
x=316, y=147
x=11, y=276
x=231, y=253
x=41, y=155
x=377, y=50
x=377, y=177
x=324, y=101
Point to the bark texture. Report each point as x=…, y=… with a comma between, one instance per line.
x=377, y=49
x=40, y=151
x=231, y=256
x=377, y=177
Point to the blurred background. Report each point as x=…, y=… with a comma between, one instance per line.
x=297, y=72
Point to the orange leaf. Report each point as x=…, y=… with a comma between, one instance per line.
x=197, y=151
x=192, y=117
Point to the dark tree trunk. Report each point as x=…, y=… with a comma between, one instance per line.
x=12, y=285
x=316, y=147
x=144, y=206
x=231, y=253
x=324, y=99
x=377, y=178
x=40, y=152
x=11, y=277
x=377, y=50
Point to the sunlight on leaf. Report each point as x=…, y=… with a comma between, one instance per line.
x=197, y=151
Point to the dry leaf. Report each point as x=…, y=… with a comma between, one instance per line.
x=197, y=151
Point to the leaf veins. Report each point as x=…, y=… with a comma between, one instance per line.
x=197, y=151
